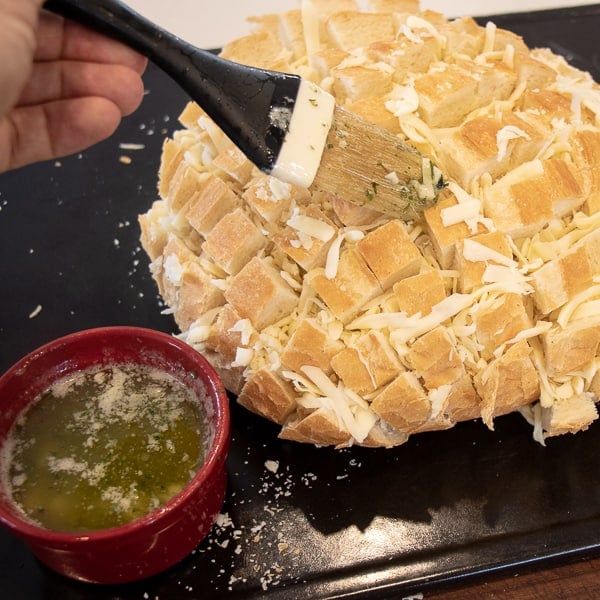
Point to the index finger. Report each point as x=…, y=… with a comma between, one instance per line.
x=60, y=38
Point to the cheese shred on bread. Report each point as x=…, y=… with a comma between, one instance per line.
x=347, y=327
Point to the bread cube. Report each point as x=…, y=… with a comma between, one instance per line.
x=307, y=237
x=495, y=81
x=269, y=198
x=351, y=288
x=153, y=237
x=449, y=93
x=404, y=55
x=321, y=427
x=259, y=293
x=268, y=395
x=500, y=320
x=444, y=238
x=536, y=75
x=367, y=364
x=446, y=95
x=372, y=109
x=263, y=46
x=569, y=415
x=354, y=83
x=420, y=293
x=507, y=383
x=322, y=61
x=311, y=345
x=586, y=146
x=559, y=280
x=403, y=403
x=197, y=295
x=463, y=402
x=234, y=164
x=214, y=200
x=476, y=147
x=190, y=115
x=524, y=201
x=352, y=29
x=184, y=186
x=470, y=273
x=176, y=258
x=546, y=104
x=225, y=337
x=463, y=36
x=171, y=157
x=435, y=359
x=504, y=38
x=570, y=349
x=233, y=241
x=390, y=253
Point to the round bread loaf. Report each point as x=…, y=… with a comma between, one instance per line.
x=347, y=327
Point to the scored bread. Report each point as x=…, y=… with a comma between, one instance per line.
x=345, y=326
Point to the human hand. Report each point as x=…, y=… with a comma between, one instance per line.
x=62, y=86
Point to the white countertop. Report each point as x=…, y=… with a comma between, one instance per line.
x=211, y=24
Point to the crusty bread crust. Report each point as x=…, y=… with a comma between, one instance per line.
x=347, y=327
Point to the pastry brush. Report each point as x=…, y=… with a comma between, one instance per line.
x=286, y=125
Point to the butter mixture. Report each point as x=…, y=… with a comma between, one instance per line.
x=104, y=446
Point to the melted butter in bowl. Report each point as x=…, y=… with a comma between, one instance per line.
x=104, y=446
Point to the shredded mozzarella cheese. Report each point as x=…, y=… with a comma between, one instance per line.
x=311, y=226
x=505, y=135
x=357, y=419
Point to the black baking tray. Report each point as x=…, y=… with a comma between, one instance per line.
x=299, y=521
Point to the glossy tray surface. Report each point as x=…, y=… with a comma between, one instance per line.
x=299, y=521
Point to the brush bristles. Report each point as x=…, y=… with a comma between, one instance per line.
x=369, y=166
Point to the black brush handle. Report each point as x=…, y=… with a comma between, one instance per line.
x=238, y=98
